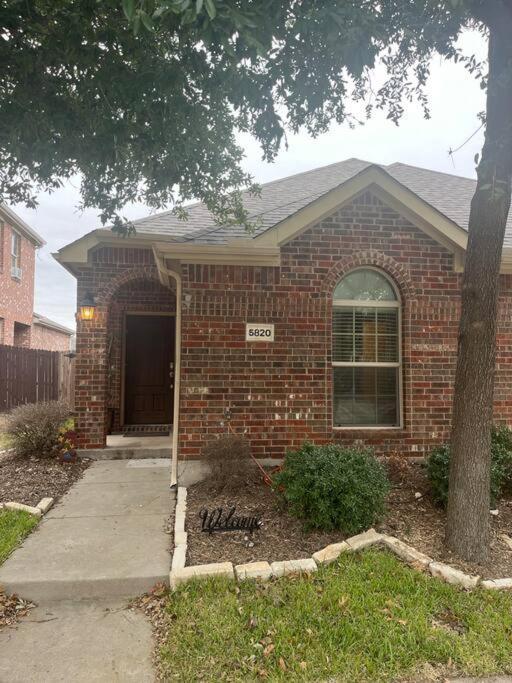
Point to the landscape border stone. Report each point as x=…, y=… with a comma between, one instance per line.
x=263, y=571
x=179, y=556
x=38, y=511
x=11, y=505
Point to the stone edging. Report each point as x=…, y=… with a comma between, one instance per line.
x=179, y=555
x=264, y=571
x=38, y=511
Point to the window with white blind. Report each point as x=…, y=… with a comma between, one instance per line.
x=15, y=255
x=366, y=354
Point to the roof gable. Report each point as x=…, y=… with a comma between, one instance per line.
x=389, y=190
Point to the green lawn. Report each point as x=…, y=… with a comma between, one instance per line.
x=14, y=526
x=366, y=618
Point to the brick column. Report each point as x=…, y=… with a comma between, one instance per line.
x=91, y=380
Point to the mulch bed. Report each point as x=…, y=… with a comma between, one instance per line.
x=28, y=480
x=421, y=523
x=282, y=537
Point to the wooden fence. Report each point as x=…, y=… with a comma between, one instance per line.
x=32, y=375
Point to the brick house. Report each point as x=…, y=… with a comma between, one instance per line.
x=19, y=325
x=335, y=321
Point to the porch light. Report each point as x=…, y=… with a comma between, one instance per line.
x=87, y=307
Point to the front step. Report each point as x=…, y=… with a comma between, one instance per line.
x=123, y=453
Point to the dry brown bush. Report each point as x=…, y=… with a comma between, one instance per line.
x=34, y=428
x=229, y=458
x=398, y=467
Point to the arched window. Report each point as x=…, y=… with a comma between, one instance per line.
x=366, y=354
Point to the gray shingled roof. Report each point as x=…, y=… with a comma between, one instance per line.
x=279, y=199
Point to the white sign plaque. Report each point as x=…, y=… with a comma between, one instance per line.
x=259, y=332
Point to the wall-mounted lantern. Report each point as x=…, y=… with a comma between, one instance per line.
x=87, y=307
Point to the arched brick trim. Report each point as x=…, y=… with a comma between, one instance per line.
x=141, y=273
x=377, y=259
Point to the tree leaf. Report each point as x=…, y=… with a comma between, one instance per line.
x=146, y=20
x=210, y=8
x=129, y=9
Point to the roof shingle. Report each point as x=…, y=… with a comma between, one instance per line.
x=449, y=194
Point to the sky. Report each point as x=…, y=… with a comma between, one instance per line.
x=455, y=101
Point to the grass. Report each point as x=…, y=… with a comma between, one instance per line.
x=367, y=617
x=5, y=441
x=14, y=526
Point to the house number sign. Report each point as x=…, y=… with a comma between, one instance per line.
x=259, y=332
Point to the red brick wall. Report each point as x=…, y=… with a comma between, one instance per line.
x=16, y=296
x=280, y=393
x=51, y=340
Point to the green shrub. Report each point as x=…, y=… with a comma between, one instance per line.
x=438, y=466
x=34, y=427
x=438, y=469
x=334, y=487
x=502, y=438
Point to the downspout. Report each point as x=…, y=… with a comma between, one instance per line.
x=177, y=377
x=165, y=275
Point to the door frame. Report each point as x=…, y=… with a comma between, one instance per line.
x=156, y=314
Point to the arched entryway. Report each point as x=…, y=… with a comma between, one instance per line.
x=141, y=358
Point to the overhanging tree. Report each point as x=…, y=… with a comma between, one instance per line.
x=143, y=98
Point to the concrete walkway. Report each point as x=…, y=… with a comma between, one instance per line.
x=103, y=543
x=78, y=642
x=105, y=539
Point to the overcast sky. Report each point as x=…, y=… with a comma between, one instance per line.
x=455, y=100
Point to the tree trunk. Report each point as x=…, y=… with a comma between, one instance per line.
x=468, y=524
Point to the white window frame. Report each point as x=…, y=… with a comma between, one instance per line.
x=356, y=303
x=15, y=257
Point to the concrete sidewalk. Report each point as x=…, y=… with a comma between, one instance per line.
x=106, y=538
x=103, y=543
x=78, y=642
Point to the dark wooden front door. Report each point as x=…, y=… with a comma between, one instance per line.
x=149, y=353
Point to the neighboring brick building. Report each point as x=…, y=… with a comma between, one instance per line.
x=47, y=334
x=336, y=321
x=19, y=326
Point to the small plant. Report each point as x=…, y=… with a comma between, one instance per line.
x=229, y=458
x=398, y=467
x=438, y=466
x=438, y=469
x=68, y=442
x=334, y=487
x=35, y=428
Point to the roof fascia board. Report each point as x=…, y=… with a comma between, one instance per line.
x=77, y=253
x=328, y=203
x=19, y=224
x=239, y=252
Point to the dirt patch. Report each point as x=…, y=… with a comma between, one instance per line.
x=155, y=606
x=28, y=480
x=417, y=521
